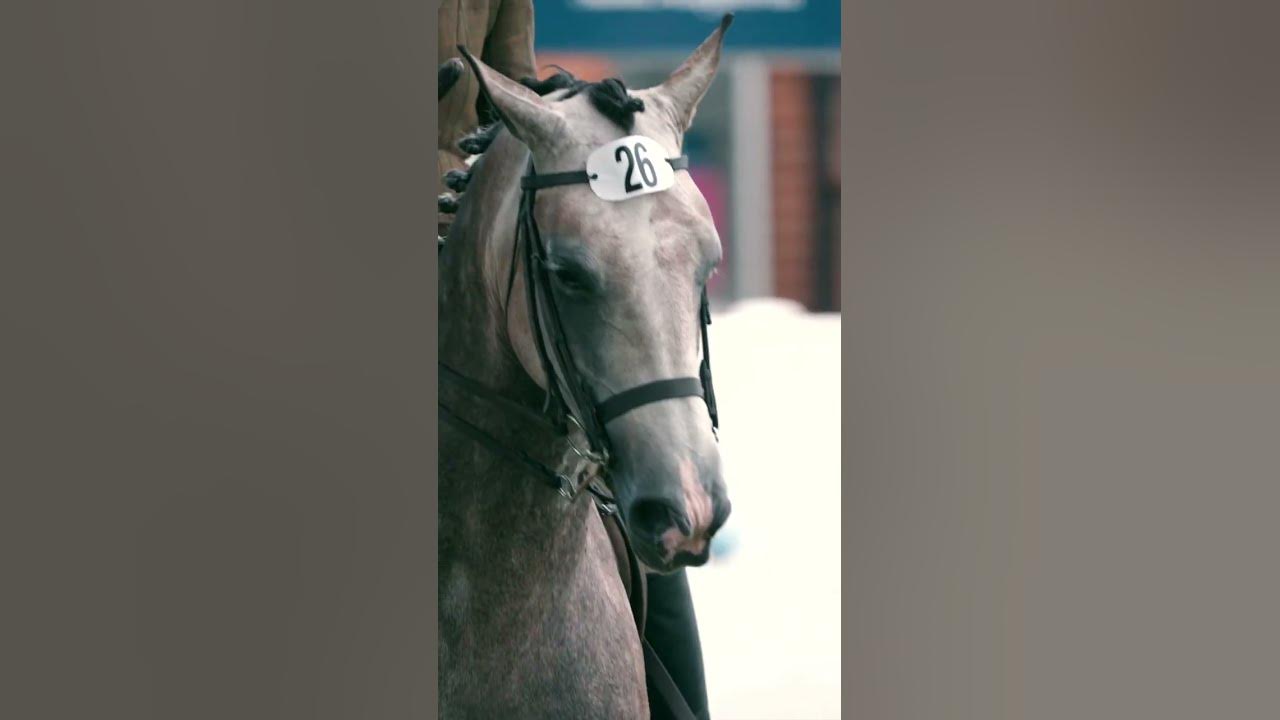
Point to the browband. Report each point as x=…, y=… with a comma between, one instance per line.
x=580, y=177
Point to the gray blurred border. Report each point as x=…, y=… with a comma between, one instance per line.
x=217, y=315
x=1062, y=397
x=218, y=343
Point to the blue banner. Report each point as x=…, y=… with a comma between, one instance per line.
x=679, y=25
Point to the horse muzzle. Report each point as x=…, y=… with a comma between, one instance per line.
x=671, y=535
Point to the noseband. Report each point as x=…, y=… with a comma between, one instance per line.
x=570, y=400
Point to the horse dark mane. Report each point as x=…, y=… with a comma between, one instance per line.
x=609, y=97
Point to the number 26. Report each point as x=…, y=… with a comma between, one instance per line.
x=648, y=174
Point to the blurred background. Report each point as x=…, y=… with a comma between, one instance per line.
x=765, y=151
x=765, y=148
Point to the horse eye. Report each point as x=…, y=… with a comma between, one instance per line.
x=571, y=279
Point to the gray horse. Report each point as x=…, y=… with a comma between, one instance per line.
x=534, y=618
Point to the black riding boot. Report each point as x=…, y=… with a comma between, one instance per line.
x=672, y=631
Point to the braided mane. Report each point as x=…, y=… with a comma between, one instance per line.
x=609, y=97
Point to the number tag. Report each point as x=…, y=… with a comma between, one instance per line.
x=630, y=167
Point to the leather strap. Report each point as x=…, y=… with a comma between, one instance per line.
x=629, y=570
x=580, y=177
x=538, y=182
x=557, y=481
x=656, y=391
x=659, y=680
x=704, y=371
x=573, y=396
x=483, y=391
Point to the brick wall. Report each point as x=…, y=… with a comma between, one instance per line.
x=795, y=169
x=583, y=66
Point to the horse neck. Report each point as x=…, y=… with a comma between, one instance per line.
x=473, y=340
x=510, y=547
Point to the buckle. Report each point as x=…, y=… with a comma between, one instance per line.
x=569, y=489
x=601, y=458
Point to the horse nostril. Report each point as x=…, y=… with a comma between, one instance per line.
x=722, y=510
x=652, y=518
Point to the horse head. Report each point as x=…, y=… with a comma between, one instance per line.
x=628, y=280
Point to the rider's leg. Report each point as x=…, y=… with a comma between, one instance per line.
x=672, y=630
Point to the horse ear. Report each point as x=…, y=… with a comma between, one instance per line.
x=533, y=120
x=684, y=89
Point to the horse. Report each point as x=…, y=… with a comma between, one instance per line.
x=562, y=324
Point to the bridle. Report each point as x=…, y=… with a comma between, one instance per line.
x=570, y=402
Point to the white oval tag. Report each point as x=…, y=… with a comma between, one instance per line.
x=630, y=167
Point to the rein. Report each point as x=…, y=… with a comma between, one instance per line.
x=569, y=398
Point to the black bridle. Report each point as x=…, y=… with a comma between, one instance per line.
x=569, y=398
